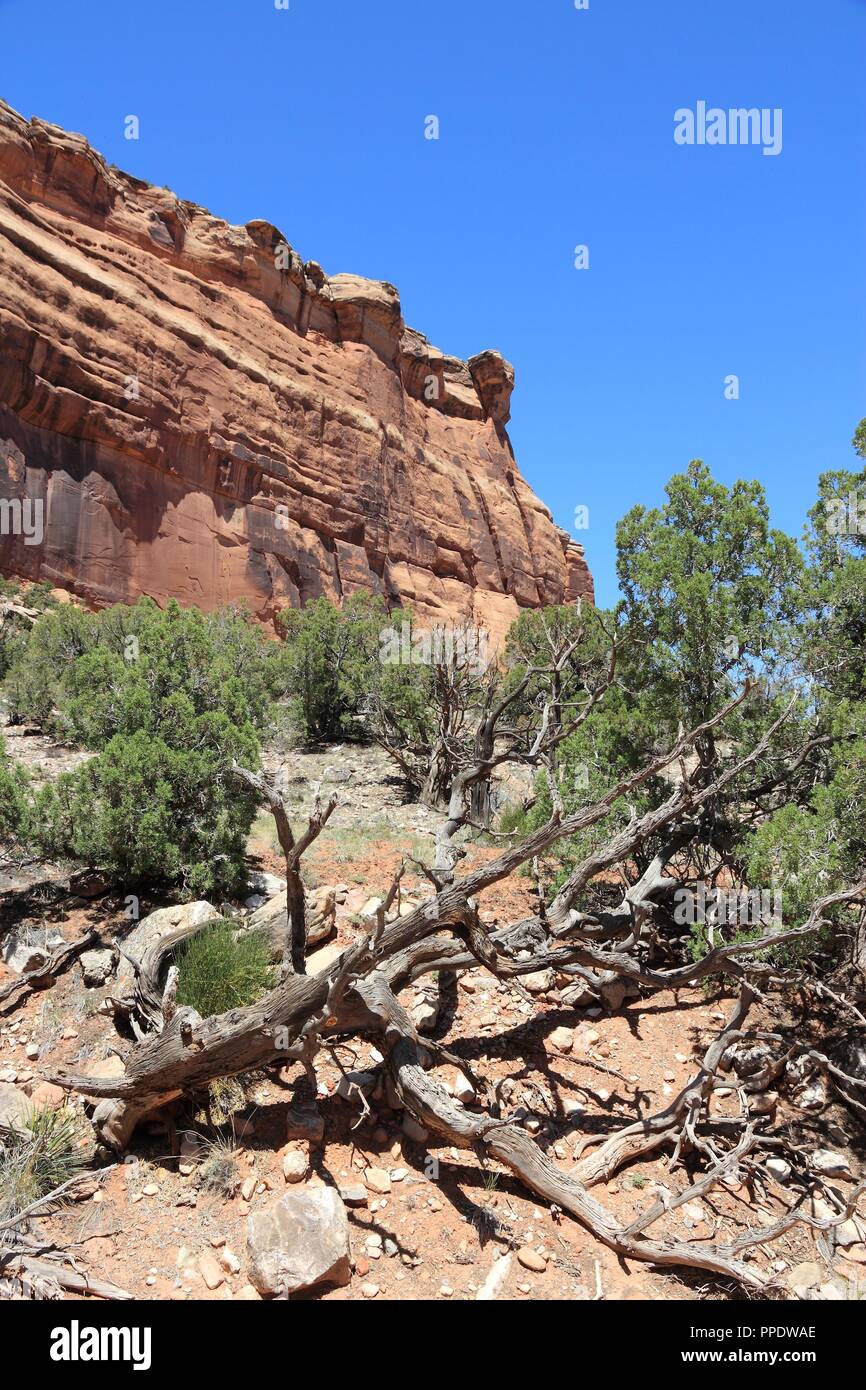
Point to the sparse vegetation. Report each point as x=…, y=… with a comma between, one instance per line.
x=220, y=1168
x=36, y=1157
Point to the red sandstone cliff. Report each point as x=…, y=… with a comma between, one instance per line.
x=206, y=416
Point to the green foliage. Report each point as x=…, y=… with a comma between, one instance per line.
x=37, y=1157
x=150, y=809
x=91, y=676
x=711, y=592
x=170, y=700
x=14, y=629
x=15, y=801
x=712, y=596
x=328, y=657
x=219, y=970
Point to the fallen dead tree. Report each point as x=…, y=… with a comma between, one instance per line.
x=359, y=994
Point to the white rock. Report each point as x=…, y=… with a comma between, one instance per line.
x=494, y=1280
x=300, y=1242
x=829, y=1163
x=778, y=1168
x=29, y=948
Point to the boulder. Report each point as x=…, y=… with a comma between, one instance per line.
x=264, y=884
x=97, y=967
x=14, y=1106
x=26, y=949
x=271, y=919
x=829, y=1164
x=301, y=1242
x=178, y=921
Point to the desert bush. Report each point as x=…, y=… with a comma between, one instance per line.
x=36, y=1157
x=14, y=630
x=150, y=809
x=91, y=676
x=169, y=700
x=328, y=658
x=220, y=1168
x=219, y=970
x=15, y=801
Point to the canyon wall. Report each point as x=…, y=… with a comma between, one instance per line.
x=203, y=415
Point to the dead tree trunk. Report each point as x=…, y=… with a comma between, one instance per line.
x=294, y=955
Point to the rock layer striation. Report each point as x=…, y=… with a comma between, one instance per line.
x=203, y=415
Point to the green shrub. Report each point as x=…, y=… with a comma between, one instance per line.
x=327, y=661
x=218, y=970
x=14, y=630
x=15, y=800
x=169, y=700
x=92, y=676
x=36, y=1158
x=147, y=810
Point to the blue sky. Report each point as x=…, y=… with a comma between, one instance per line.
x=556, y=129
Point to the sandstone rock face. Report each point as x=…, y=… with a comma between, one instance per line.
x=205, y=416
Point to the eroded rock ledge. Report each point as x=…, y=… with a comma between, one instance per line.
x=205, y=415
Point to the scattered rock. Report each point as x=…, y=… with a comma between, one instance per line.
x=97, y=967
x=830, y=1164
x=295, y=1166
x=15, y=1106
x=48, y=1096
x=300, y=1242
x=271, y=919
x=778, y=1168
x=26, y=949
x=377, y=1180
x=354, y=1195
x=562, y=1039
x=424, y=1011
x=613, y=994
x=530, y=1259
x=355, y=1081
x=106, y=1067
x=320, y=961
x=210, y=1270
x=264, y=884
x=807, y=1275
x=538, y=982
x=812, y=1097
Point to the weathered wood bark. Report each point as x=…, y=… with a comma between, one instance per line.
x=294, y=956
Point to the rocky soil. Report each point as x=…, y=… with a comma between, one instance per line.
x=342, y=1196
